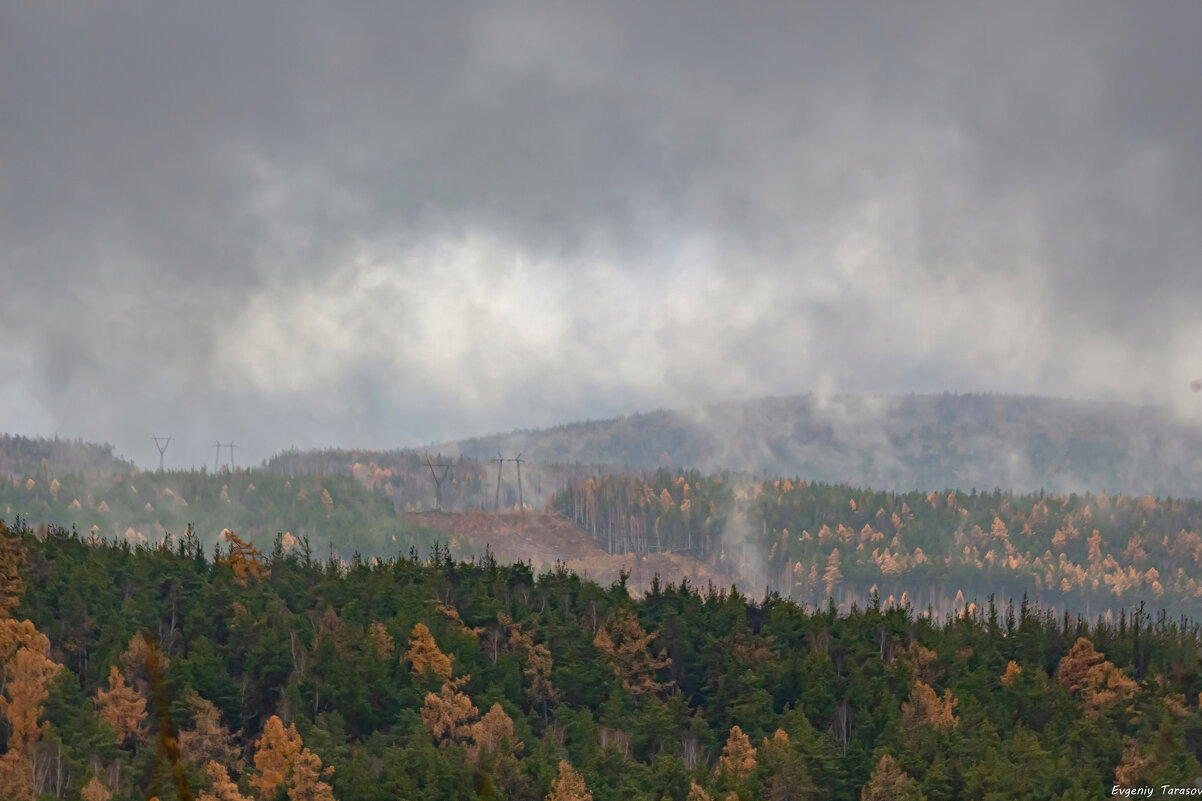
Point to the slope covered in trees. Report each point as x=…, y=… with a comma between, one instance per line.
x=1092, y=554
x=1087, y=553
x=469, y=484
x=26, y=456
x=134, y=672
x=143, y=507
x=893, y=442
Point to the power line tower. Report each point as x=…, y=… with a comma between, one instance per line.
x=438, y=479
x=500, y=466
x=521, y=505
x=229, y=465
x=161, y=443
x=501, y=460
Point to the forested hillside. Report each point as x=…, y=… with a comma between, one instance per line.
x=25, y=456
x=1092, y=554
x=457, y=484
x=1087, y=553
x=901, y=443
x=133, y=672
x=142, y=507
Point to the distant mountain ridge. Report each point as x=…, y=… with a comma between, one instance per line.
x=892, y=442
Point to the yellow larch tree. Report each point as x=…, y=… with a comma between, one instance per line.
x=221, y=787
x=738, y=755
x=493, y=735
x=246, y=560
x=122, y=707
x=26, y=671
x=833, y=575
x=95, y=790
x=890, y=783
x=382, y=640
x=1134, y=767
x=275, y=752
x=626, y=646
x=135, y=663
x=449, y=714
x=925, y=707
x=308, y=779
x=207, y=741
x=568, y=785
x=281, y=758
x=1013, y=671
x=424, y=654
x=1101, y=685
x=538, y=670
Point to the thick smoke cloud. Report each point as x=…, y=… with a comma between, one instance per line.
x=302, y=225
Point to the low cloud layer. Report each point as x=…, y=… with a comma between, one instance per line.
x=304, y=225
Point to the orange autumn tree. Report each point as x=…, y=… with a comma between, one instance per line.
x=282, y=759
x=245, y=559
x=382, y=640
x=738, y=755
x=924, y=707
x=890, y=783
x=207, y=741
x=123, y=708
x=1086, y=673
x=221, y=787
x=135, y=663
x=626, y=646
x=1132, y=770
x=538, y=661
x=95, y=790
x=424, y=654
x=450, y=715
x=568, y=785
x=27, y=671
x=493, y=747
x=832, y=575
x=493, y=734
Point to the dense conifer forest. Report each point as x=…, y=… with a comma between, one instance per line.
x=1089, y=553
x=133, y=671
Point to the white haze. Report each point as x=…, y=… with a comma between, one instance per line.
x=296, y=224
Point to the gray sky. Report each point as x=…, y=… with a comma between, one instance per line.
x=314, y=225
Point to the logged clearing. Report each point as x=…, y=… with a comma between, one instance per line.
x=544, y=539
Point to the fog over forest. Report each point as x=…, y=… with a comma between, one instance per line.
x=294, y=225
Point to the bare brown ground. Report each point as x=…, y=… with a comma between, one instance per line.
x=544, y=539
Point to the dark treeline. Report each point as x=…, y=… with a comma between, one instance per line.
x=242, y=674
